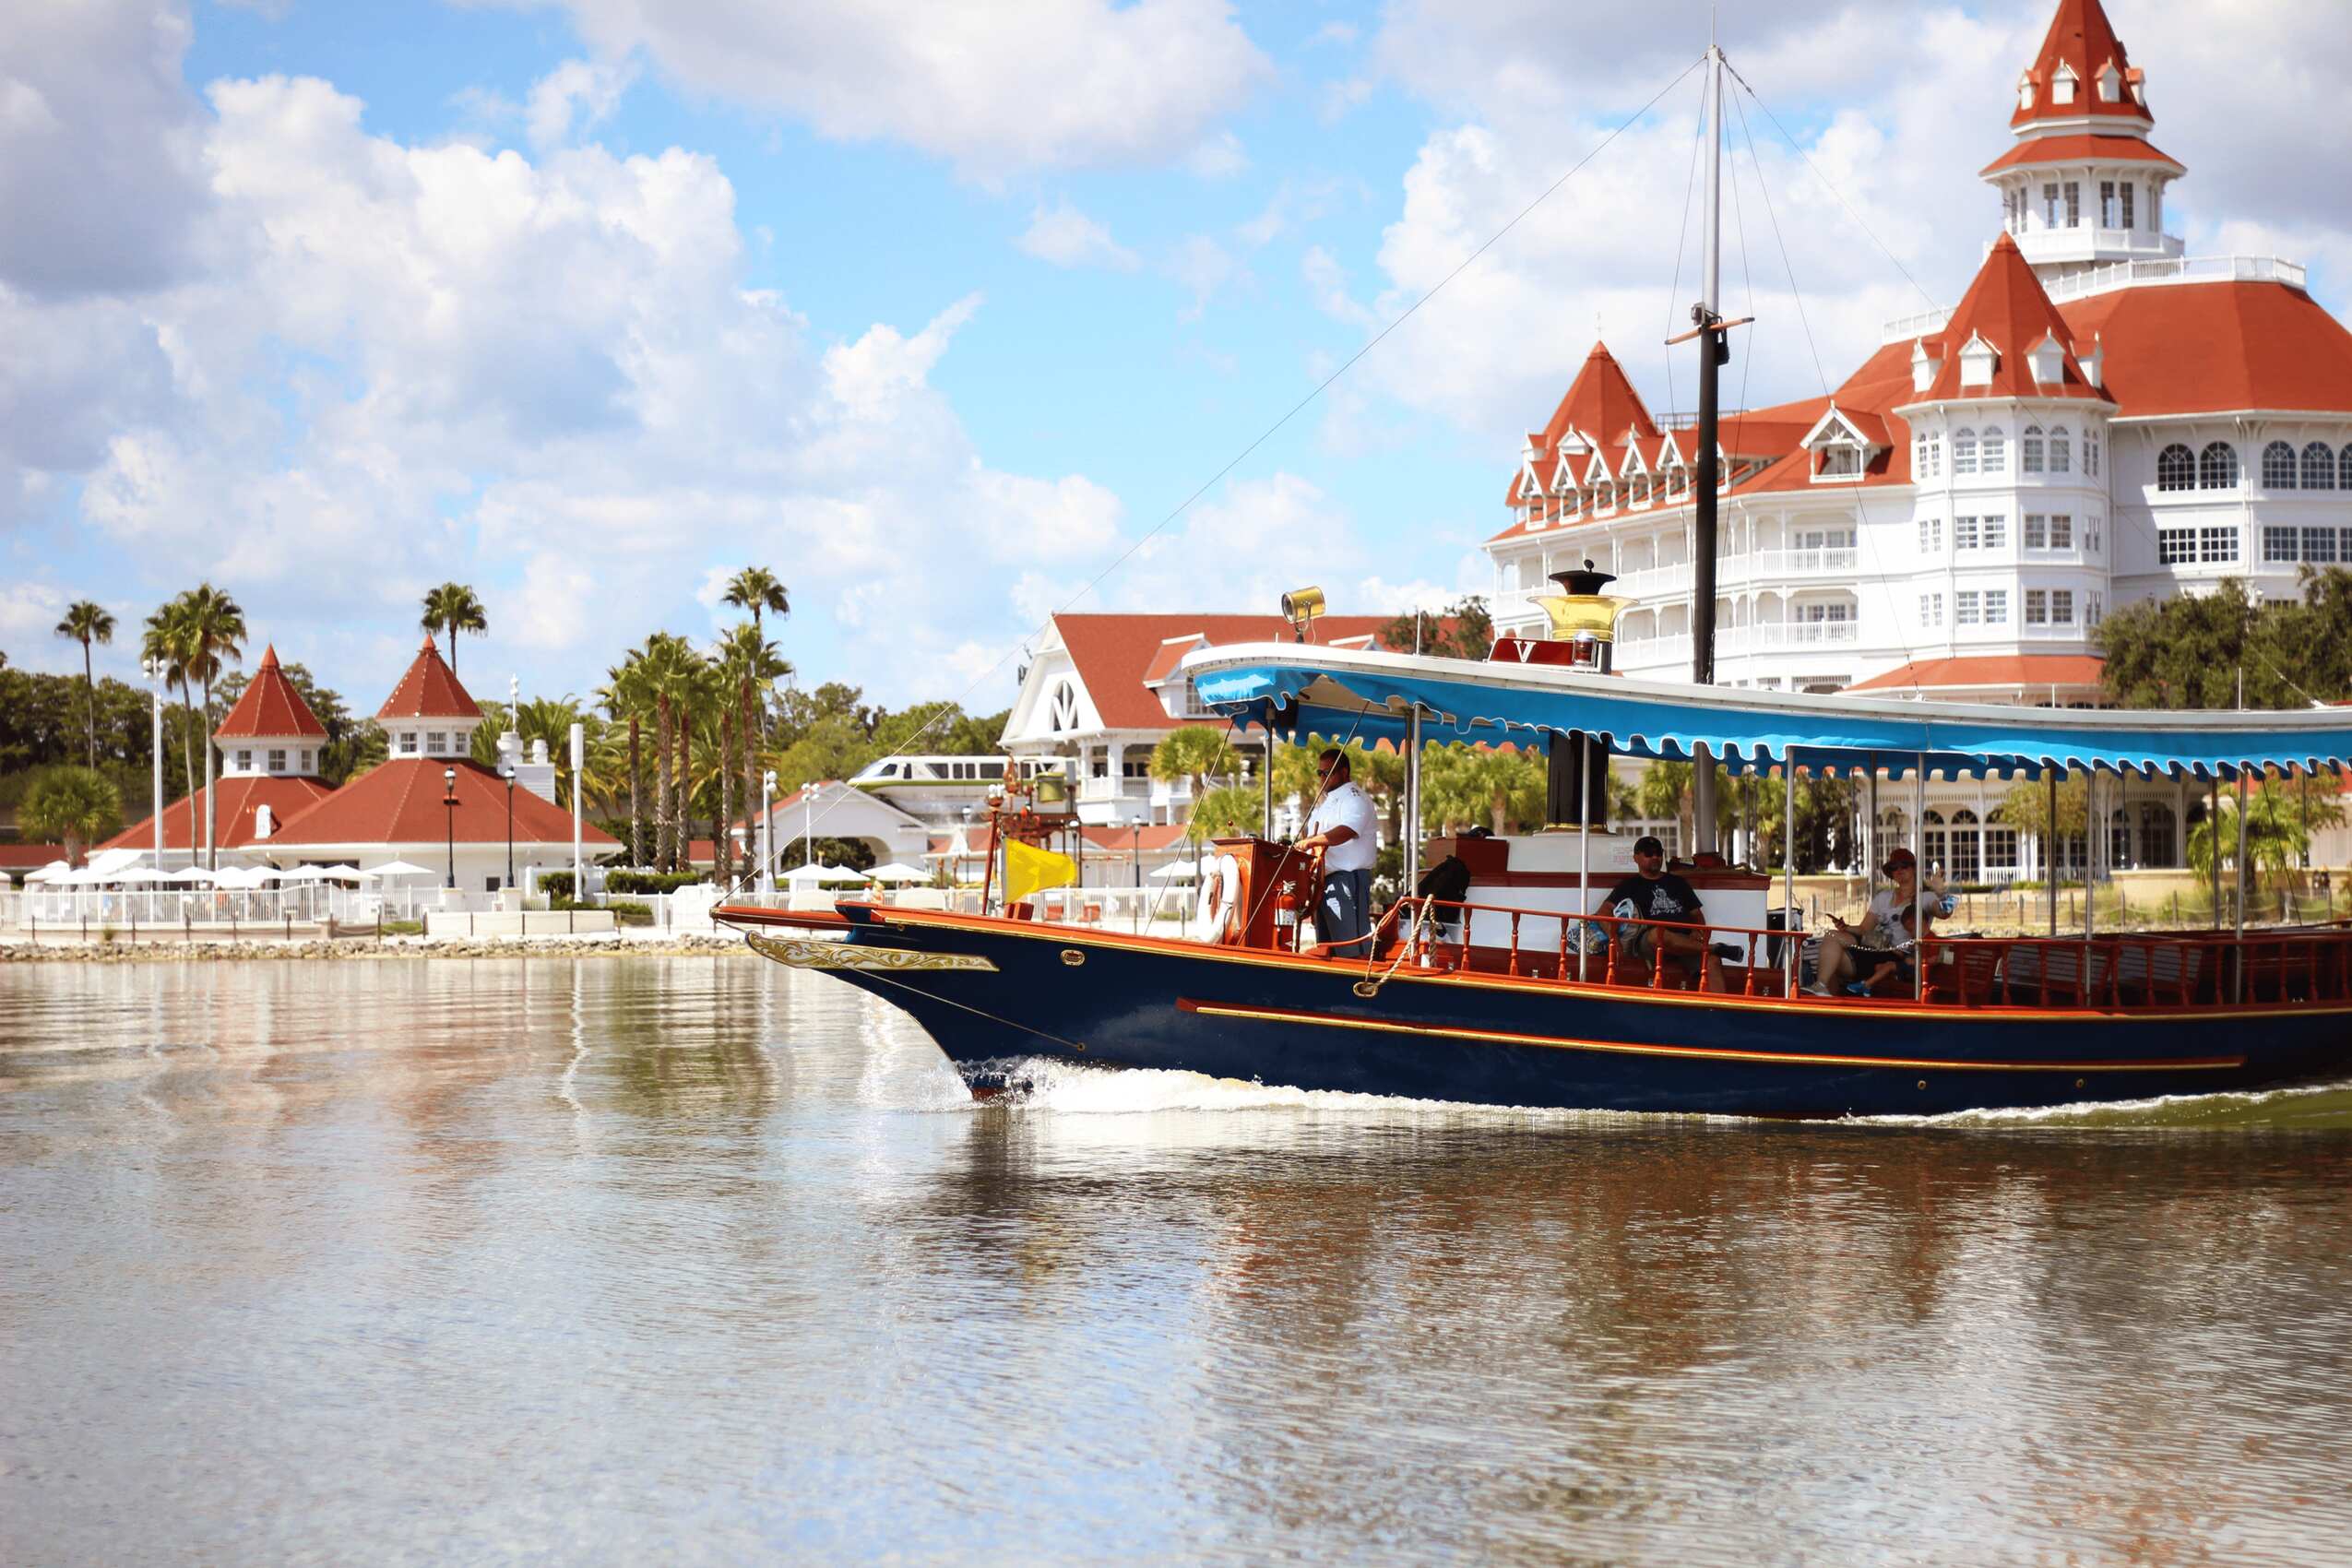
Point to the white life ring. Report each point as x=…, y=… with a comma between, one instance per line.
x=1218, y=909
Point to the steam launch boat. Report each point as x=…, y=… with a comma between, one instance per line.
x=1519, y=990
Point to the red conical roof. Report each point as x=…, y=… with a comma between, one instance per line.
x=2007, y=308
x=2081, y=37
x=430, y=690
x=1602, y=403
x=270, y=707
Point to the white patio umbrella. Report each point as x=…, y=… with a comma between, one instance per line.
x=1174, y=871
x=245, y=879
x=818, y=871
x=395, y=870
x=188, y=873
x=895, y=872
x=49, y=874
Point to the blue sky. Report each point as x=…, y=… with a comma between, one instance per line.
x=935, y=310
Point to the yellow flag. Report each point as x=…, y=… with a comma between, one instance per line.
x=1029, y=869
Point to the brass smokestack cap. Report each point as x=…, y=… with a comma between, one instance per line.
x=1583, y=612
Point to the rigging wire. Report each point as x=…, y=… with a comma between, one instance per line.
x=1292, y=412
x=1797, y=298
x=1831, y=186
x=1682, y=239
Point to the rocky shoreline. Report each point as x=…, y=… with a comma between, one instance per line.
x=347, y=948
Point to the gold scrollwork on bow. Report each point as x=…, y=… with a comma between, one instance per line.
x=798, y=955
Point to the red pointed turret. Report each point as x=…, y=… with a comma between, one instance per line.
x=2080, y=72
x=271, y=708
x=2006, y=310
x=1601, y=403
x=429, y=690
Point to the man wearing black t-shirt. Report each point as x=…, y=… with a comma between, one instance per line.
x=1653, y=893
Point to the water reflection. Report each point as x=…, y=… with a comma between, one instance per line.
x=696, y=1259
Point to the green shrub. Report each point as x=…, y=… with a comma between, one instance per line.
x=403, y=927
x=628, y=911
x=650, y=881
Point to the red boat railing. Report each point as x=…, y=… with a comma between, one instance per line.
x=2305, y=966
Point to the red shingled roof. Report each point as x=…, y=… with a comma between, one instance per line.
x=241, y=798
x=2203, y=348
x=2082, y=148
x=1172, y=653
x=1112, y=652
x=1602, y=403
x=270, y=706
x=399, y=802
x=430, y=690
x=2021, y=670
x=2006, y=307
x=2081, y=37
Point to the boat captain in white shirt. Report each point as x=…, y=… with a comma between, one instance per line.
x=1341, y=827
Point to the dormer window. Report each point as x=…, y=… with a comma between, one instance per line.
x=2110, y=84
x=2024, y=92
x=1925, y=366
x=244, y=761
x=1840, y=459
x=2047, y=362
x=407, y=739
x=1977, y=364
x=2062, y=90
x=277, y=760
x=435, y=741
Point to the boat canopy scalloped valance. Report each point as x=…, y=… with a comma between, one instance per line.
x=1364, y=696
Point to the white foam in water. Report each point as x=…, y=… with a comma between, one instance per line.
x=2161, y=1110
x=1068, y=1088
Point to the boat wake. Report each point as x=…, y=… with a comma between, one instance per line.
x=2291, y=1107
x=1037, y=1084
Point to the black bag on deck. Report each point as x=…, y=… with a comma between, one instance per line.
x=1447, y=880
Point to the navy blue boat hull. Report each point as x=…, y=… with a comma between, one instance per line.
x=1094, y=997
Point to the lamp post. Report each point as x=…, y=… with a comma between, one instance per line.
x=449, y=803
x=1135, y=826
x=154, y=668
x=766, y=835
x=506, y=771
x=808, y=824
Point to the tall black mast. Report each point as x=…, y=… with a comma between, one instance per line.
x=1714, y=349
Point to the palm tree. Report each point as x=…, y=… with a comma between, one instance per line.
x=665, y=669
x=749, y=667
x=85, y=622
x=75, y=806
x=453, y=608
x=165, y=641
x=626, y=696
x=756, y=588
x=216, y=627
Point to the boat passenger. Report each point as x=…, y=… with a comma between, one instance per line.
x=1653, y=893
x=1886, y=930
x=1341, y=829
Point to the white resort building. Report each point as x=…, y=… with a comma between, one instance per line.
x=2101, y=419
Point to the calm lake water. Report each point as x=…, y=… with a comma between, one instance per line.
x=697, y=1260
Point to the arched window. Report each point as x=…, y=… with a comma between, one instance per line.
x=2319, y=466
x=2278, y=466
x=2091, y=453
x=2176, y=468
x=2119, y=840
x=2029, y=450
x=2217, y=467
x=2344, y=469
x=2001, y=846
x=1964, y=451
x=1935, y=843
x=1995, y=451
x=2157, y=845
x=2061, y=451
x=1966, y=847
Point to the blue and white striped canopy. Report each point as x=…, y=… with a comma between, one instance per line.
x=1365, y=695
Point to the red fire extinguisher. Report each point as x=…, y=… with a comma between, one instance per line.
x=1286, y=917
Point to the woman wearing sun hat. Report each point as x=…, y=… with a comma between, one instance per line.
x=1886, y=930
